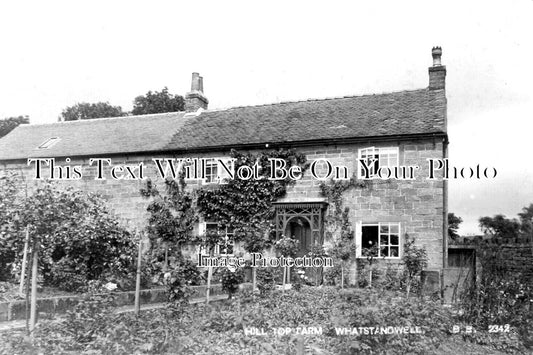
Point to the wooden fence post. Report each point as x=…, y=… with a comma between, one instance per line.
x=35, y=269
x=24, y=257
x=138, y=280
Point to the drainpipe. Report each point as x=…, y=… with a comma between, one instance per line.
x=444, y=219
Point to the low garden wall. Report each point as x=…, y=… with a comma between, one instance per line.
x=50, y=306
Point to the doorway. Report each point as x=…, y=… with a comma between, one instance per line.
x=299, y=228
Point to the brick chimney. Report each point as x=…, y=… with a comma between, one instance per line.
x=196, y=99
x=437, y=73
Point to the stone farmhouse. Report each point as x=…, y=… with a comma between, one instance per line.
x=388, y=130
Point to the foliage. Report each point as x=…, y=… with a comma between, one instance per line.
x=332, y=275
x=526, y=220
x=337, y=223
x=85, y=111
x=246, y=205
x=500, y=226
x=501, y=295
x=395, y=278
x=172, y=215
x=171, y=219
x=287, y=246
x=11, y=230
x=157, y=102
x=78, y=238
x=183, y=273
x=266, y=279
x=453, y=225
x=414, y=259
x=10, y=123
x=220, y=328
x=231, y=279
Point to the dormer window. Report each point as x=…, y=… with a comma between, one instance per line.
x=49, y=143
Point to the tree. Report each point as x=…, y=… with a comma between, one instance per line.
x=500, y=226
x=526, y=220
x=10, y=123
x=85, y=111
x=172, y=216
x=453, y=225
x=78, y=237
x=157, y=102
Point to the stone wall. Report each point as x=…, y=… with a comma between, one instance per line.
x=515, y=255
x=417, y=204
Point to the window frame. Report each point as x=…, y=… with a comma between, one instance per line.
x=380, y=152
x=220, y=174
x=229, y=239
x=359, y=239
x=49, y=143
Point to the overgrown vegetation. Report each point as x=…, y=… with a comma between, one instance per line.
x=245, y=205
x=501, y=294
x=220, y=328
x=77, y=237
x=338, y=228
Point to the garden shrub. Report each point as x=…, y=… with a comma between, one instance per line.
x=11, y=229
x=265, y=279
x=182, y=274
x=68, y=276
x=231, y=279
x=77, y=233
x=332, y=275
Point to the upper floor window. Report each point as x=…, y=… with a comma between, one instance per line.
x=375, y=159
x=217, y=170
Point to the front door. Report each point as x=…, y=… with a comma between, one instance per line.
x=298, y=228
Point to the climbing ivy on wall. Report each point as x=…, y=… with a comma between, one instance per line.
x=337, y=218
x=246, y=205
x=337, y=225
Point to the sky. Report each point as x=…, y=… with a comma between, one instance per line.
x=58, y=53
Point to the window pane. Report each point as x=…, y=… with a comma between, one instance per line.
x=384, y=229
x=394, y=228
x=383, y=240
x=369, y=240
x=211, y=227
x=394, y=240
x=384, y=251
x=394, y=252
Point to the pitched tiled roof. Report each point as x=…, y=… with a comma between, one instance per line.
x=391, y=114
x=98, y=136
x=405, y=112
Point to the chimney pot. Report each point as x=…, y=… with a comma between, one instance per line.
x=436, y=52
x=195, y=83
x=437, y=72
x=196, y=99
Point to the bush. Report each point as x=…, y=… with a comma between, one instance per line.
x=332, y=275
x=68, y=276
x=78, y=235
x=178, y=280
x=265, y=279
x=231, y=279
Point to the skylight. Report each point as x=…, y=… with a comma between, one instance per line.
x=50, y=142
